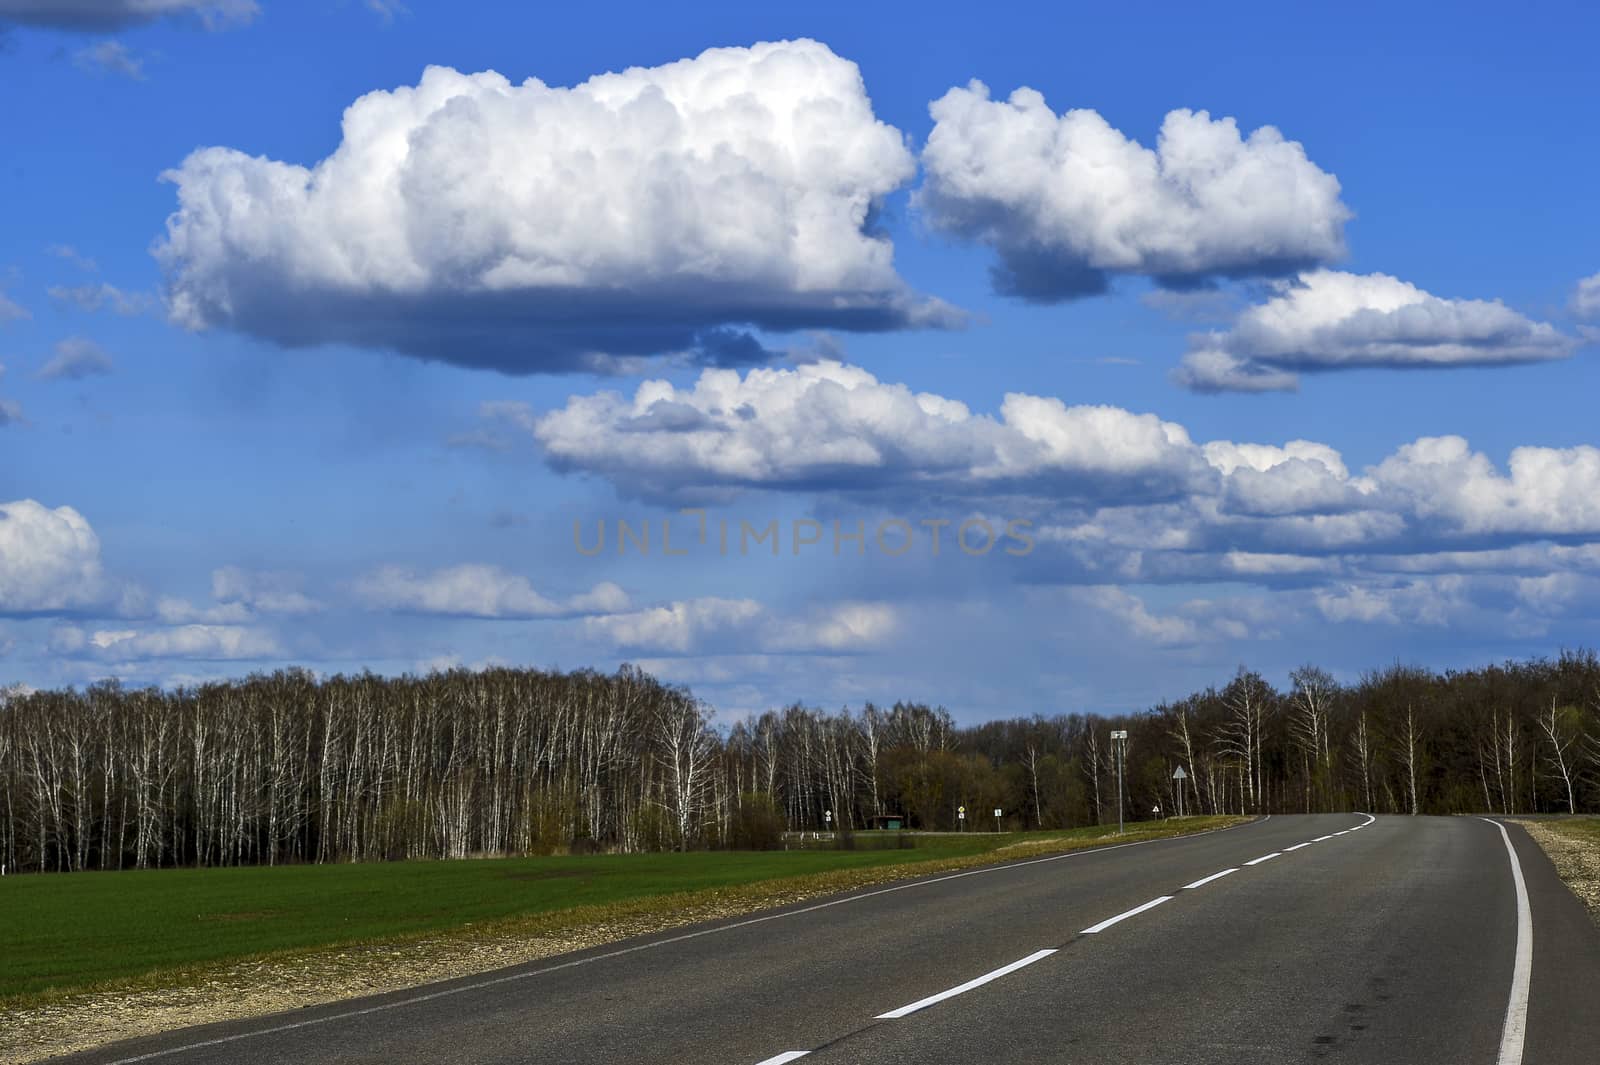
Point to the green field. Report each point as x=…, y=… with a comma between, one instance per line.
x=64, y=932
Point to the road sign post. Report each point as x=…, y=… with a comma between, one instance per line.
x=997, y=819
x=1180, y=776
x=1119, y=740
x=961, y=817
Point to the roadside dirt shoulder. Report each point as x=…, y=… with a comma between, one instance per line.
x=1574, y=849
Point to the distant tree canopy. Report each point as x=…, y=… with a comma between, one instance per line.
x=287, y=768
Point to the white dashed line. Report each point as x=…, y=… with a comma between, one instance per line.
x=784, y=1058
x=924, y=1003
x=1319, y=839
x=1203, y=881
x=1108, y=922
x=1264, y=858
x=1297, y=846
x=514, y=977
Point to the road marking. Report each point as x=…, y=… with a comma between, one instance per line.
x=784, y=1058
x=1203, y=881
x=1341, y=833
x=924, y=1003
x=1108, y=922
x=1319, y=839
x=1515, y=1029
x=495, y=981
x=1264, y=858
x=1297, y=846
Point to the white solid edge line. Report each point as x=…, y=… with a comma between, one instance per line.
x=1203, y=881
x=1297, y=846
x=1264, y=858
x=924, y=1003
x=1108, y=922
x=1515, y=1029
x=786, y=1056
x=493, y=981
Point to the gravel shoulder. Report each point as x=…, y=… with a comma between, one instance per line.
x=1573, y=845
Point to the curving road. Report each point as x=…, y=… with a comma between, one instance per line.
x=1395, y=941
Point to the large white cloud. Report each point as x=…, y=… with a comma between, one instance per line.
x=1586, y=297
x=1068, y=201
x=101, y=15
x=196, y=642
x=267, y=592
x=1331, y=320
x=1545, y=491
x=530, y=228
x=1131, y=493
x=1302, y=477
x=478, y=591
x=712, y=625
x=828, y=424
x=50, y=562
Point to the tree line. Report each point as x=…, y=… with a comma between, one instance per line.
x=289, y=768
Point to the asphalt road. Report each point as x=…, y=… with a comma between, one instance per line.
x=1401, y=943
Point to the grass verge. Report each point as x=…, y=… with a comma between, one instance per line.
x=1573, y=844
x=92, y=958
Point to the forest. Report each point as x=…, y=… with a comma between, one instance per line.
x=290, y=768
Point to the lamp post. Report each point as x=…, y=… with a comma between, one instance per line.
x=1119, y=741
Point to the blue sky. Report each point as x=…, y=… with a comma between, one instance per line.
x=243, y=426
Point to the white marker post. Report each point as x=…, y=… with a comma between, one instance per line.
x=1180, y=776
x=1119, y=740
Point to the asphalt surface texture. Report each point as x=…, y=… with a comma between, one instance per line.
x=1396, y=940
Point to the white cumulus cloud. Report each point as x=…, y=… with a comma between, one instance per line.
x=1330, y=320
x=198, y=642
x=266, y=592
x=835, y=425
x=50, y=561
x=1067, y=201
x=528, y=227
x=478, y=591
x=1586, y=298
x=724, y=625
x=1545, y=491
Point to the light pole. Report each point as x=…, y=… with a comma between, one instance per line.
x=1119, y=740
